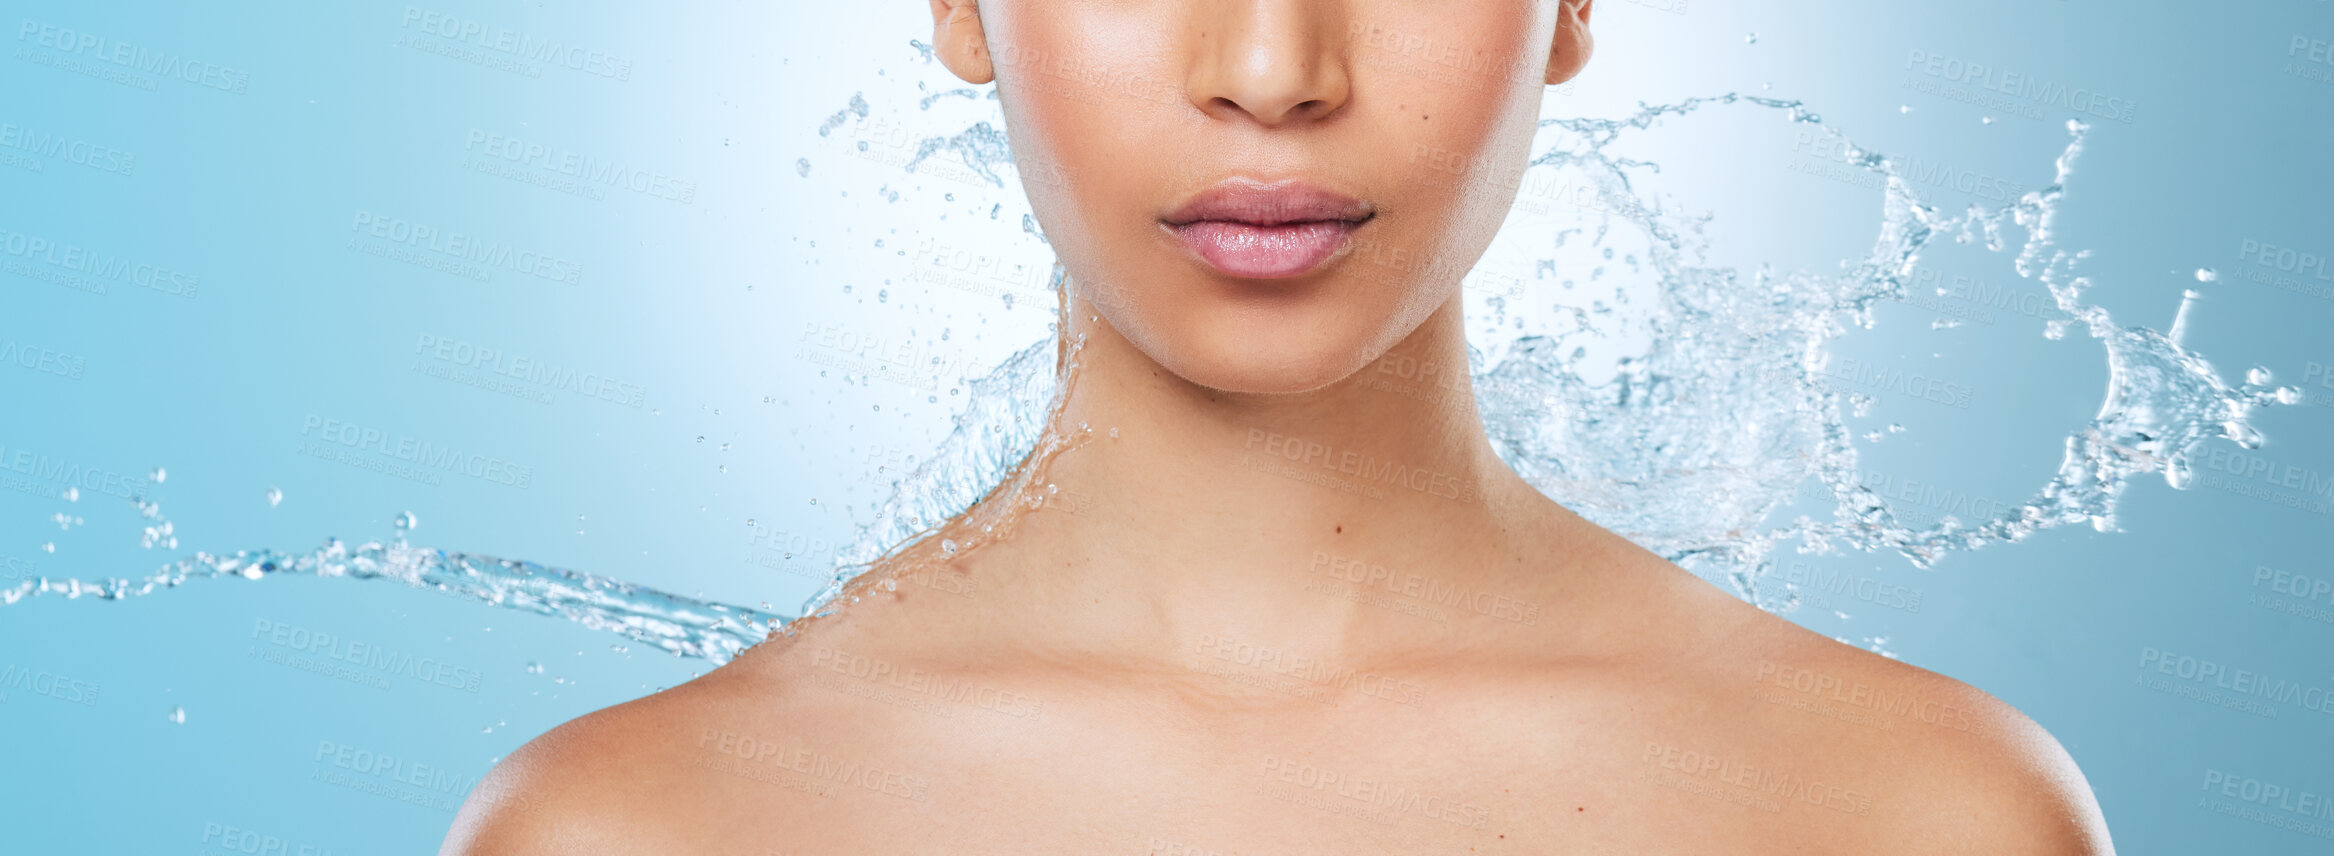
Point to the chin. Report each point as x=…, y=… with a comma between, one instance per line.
x=1265, y=359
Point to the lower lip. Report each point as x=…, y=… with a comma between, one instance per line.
x=1264, y=252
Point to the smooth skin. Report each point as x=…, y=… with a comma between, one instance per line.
x=1224, y=632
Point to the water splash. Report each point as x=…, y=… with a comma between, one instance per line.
x=999, y=445
x=1695, y=443
x=857, y=107
x=982, y=148
x=684, y=626
x=1688, y=449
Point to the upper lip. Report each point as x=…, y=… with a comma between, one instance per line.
x=1277, y=203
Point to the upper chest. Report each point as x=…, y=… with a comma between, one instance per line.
x=1468, y=772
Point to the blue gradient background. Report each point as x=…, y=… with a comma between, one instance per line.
x=719, y=308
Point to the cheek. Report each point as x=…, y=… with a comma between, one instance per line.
x=1456, y=152
x=1083, y=100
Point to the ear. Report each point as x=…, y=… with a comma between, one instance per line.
x=1573, y=45
x=959, y=42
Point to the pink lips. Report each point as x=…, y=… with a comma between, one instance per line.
x=1253, y=230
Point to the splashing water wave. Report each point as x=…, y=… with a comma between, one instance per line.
x=1688, y=449
x=1699, y=440
x=683, y=626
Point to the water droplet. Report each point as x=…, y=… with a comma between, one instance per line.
x=158, y=475
x=275, y=496
x=2259, y=376
x=72, y=494
x=1904, y=108
x=620, y=649
x=2207, y=275
x=406, y=522
x=178, y=715
x=1751, y=39
x=948, y=546
x=891, y=585
x=802, y=167
x=534, y=668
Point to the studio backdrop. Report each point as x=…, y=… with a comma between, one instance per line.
x=382, y=385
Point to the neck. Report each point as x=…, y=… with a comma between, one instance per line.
x=1188, y=512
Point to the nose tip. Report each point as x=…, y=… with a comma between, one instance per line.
x=1279, y=62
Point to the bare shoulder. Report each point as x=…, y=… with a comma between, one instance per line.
x=645, y=776
x=1940, y=765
